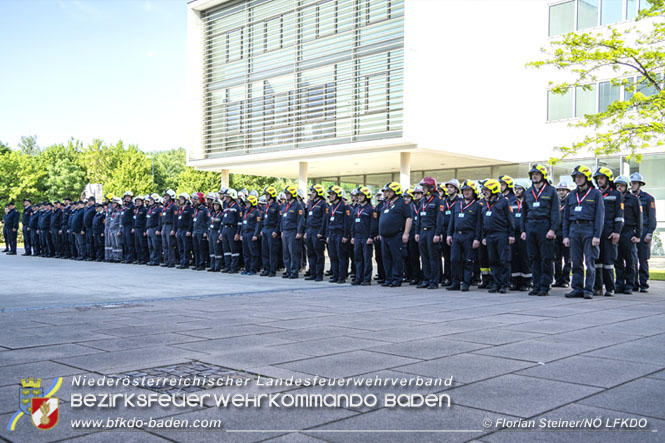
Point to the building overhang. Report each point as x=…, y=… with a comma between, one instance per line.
x=342, y=160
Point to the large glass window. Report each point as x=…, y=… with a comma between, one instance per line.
x=587, y=14
x=631, y=9
x=611, y=11
x=562, y=18
x=559, y=106
x=585, y=101
x=607, y=94
x=298, y=84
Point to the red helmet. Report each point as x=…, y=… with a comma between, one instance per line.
x=200, y=195
x=429, y=182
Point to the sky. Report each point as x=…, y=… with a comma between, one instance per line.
x=107, y=69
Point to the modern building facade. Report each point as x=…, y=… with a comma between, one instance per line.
x=369, y=91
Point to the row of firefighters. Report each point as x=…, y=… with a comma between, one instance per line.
x=499, y=234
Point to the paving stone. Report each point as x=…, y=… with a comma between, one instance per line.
x=645, y=396
x=41, y=353
x=250, y=358
x=347, y=364
x=590, y=371
x=137, y=436
x=428, y=348
x=465, y=368
x=146, y=341
x=46, y=370
x=659, y=375
x=311, y=333
x=326, y=346
x=633, y=351
x=518, y=395
x=231, y=331
x=231, y=344
x=493, y=336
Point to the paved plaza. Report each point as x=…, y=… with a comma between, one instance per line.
x=511, y=357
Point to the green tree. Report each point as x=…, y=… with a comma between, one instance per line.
x=190, y=180
x=28, y=145
x=133, y=172
x=21, y=177
x=100, y=160
x=64, y=175
x=256, y=182
x=636, y=122
x=168, y=167
x=4, y=148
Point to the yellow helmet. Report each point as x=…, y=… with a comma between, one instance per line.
x=470, y=184
x=320, y=190
x=395, y=187
x=334, y=189
x=493, y=185
x=538, y=168
x=252, y=200
x=271, y=191
x=607, y=172
x=581, y=170
x=291, y=190
x=365, y=191
x=409, y=192
x=508, y=180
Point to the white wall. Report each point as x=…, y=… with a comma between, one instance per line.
x=467, y=89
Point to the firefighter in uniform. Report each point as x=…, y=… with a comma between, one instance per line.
x=64, y=228
x=613, y=202
x=184, y=226
x=631, y=233
x=413, y=274
x=115, y=231
x=582, y=228
x=270, y=233
x=394, y=228
x=316, y=224
x=464, y=231
x=380, y=270
x=201, y=218
x=520, y=266
x=154, y=239
x=649, y=225
x=168, y=228
x=292, y=228
x=364, y=225
x=482, y=274
x=338, y=234
x=231, y=224
x=126, y=222
x=539, y=222
x=98, y=224
x=428, y=233
x=25, y=221
x=562, y=265
x=214, y=243
x=251, y=224
x=498, y=234
x=452, y=186
x=139, y=230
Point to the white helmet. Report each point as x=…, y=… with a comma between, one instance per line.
x=418, y=188
x=184, y=195
x=242, y=195
x=301, y=193
x=563, y=185
x=222, y=190
x=117, y=200
x=138, y=197
x=254, y=193
x=211, y=196
x=170, y=193
x=128, y=193
x=154, y=196
x=262, y=200
x=281, y=196
x=232, y=193
x=454, y=182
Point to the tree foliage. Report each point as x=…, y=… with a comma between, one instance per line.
x=190, y=180
x=28, y=145
x=637, y=120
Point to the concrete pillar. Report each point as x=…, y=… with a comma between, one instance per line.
x=225, y=178
x=405, y=170
x=302, y=176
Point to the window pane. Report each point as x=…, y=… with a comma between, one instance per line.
x=258, y=38
x=273, y=34
x=585, y=101
x=308, y=23
x=234, y=45
x=377, y=10
x=644, y=4
x=646, y=87
x=559, y=106
x=627, y=89
x=587, y=14
x=327, y=18
x=608, y=94
x=562, y=18
x=611, y=11
x=631, y=9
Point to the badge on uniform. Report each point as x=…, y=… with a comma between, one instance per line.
x=488, y=214
x=536, y=204
x=460, y=215
x=332, y=218
x=518, y=215
x=448, y=212
x=578, y=209
x=179, y=217
x=311, y=212
x=385, y=211
x=423, y=213
x=244, y=222
x=284, y=215
x=358, y=220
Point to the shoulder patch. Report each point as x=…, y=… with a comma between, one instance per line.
x=299, y=211
x=375, y=215
x=653, y=205
x=441, y=208
x=622, y=206
x=348, y=212
x=511, y=208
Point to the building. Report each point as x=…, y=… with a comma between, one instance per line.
x=363, y=92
